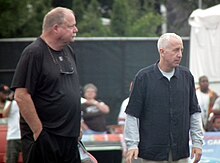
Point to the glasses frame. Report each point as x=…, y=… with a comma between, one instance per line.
x=57, y=63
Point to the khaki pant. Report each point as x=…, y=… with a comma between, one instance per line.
x=185, y=160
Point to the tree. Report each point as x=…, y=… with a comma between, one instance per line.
x=128, y=18
x=12, y=16
x=33, y=24
x=146, y=26
x=120, y=18
x=79, y=8
x=62, y=3
x=91, y=25
x=23, y=18
x=134, y=19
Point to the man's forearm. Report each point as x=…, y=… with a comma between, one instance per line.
x=6, y=109
x=131, y=133
x=196, y=131
x=27, y=109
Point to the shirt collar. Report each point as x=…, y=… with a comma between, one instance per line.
x=160, y=75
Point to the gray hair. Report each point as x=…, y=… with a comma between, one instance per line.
x=90, y=85
x=164, y=40
x=55, y=16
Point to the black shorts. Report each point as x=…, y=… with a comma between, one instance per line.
x=50, y=148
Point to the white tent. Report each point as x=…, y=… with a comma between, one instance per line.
x=205, y=43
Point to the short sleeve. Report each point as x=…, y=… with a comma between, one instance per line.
x=137, y=98
x=27, y=70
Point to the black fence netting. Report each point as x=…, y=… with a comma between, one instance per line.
x=109, y=63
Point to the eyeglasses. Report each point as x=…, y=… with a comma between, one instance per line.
x=64, y=68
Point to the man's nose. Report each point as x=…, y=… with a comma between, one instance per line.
x=180, y=53
x=75, y=29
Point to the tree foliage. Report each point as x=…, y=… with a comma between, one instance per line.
x=120, y=18
x=79, y=9
x=133, y=18
x=146, y=26
x=22, y=18
x=33, y=24
x=12, y=16
x=90, y=24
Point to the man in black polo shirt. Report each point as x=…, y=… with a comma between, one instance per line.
x=47, y=92
x=163, y=108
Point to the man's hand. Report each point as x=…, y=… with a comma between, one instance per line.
x=131, y=154
x=197, y=152
x=81, y=134
x=37, y=133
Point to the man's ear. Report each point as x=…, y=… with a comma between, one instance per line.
x=55, y=28
x=162, y=52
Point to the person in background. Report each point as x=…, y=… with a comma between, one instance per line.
x=206, y=98
x=121, y=120
x=122, y=114
x=4, y=91
x=214, y=116
x=216, y=123
x=93, y=112
x=11, y=112
x=163, y=109
x=47, y=91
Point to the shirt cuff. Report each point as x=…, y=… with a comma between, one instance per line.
x=197, y=145
x=132, y=144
